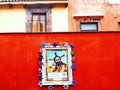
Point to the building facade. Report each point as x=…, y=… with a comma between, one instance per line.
x=59, y=15
x=94, y=15
x=33, y=15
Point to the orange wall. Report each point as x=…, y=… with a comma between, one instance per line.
x=97, y=60
x=111, y=13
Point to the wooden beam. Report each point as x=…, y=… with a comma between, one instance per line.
x=38, y=5
x=10, y=5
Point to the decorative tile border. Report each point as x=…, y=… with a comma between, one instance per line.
x=56, y=65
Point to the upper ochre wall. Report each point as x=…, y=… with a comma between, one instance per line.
x=12, y=19
x=60, y=18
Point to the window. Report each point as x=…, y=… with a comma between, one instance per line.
x=38, y=22
x=89, y=26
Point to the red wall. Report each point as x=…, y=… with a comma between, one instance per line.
x=97, y=60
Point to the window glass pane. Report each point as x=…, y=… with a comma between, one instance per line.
x=42, y=22
x=119, y=25
x=39, y=22
x=35, y=23
x=88, y=26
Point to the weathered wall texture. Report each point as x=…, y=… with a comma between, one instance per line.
x=111, y=13
x=97, y=61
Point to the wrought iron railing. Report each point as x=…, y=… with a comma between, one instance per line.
x=28, y=0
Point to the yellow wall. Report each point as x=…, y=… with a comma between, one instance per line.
x=60, y=18
x=12, y=19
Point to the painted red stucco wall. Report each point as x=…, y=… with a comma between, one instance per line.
x=97, y=60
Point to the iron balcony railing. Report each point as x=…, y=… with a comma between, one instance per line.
x=28, y=0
